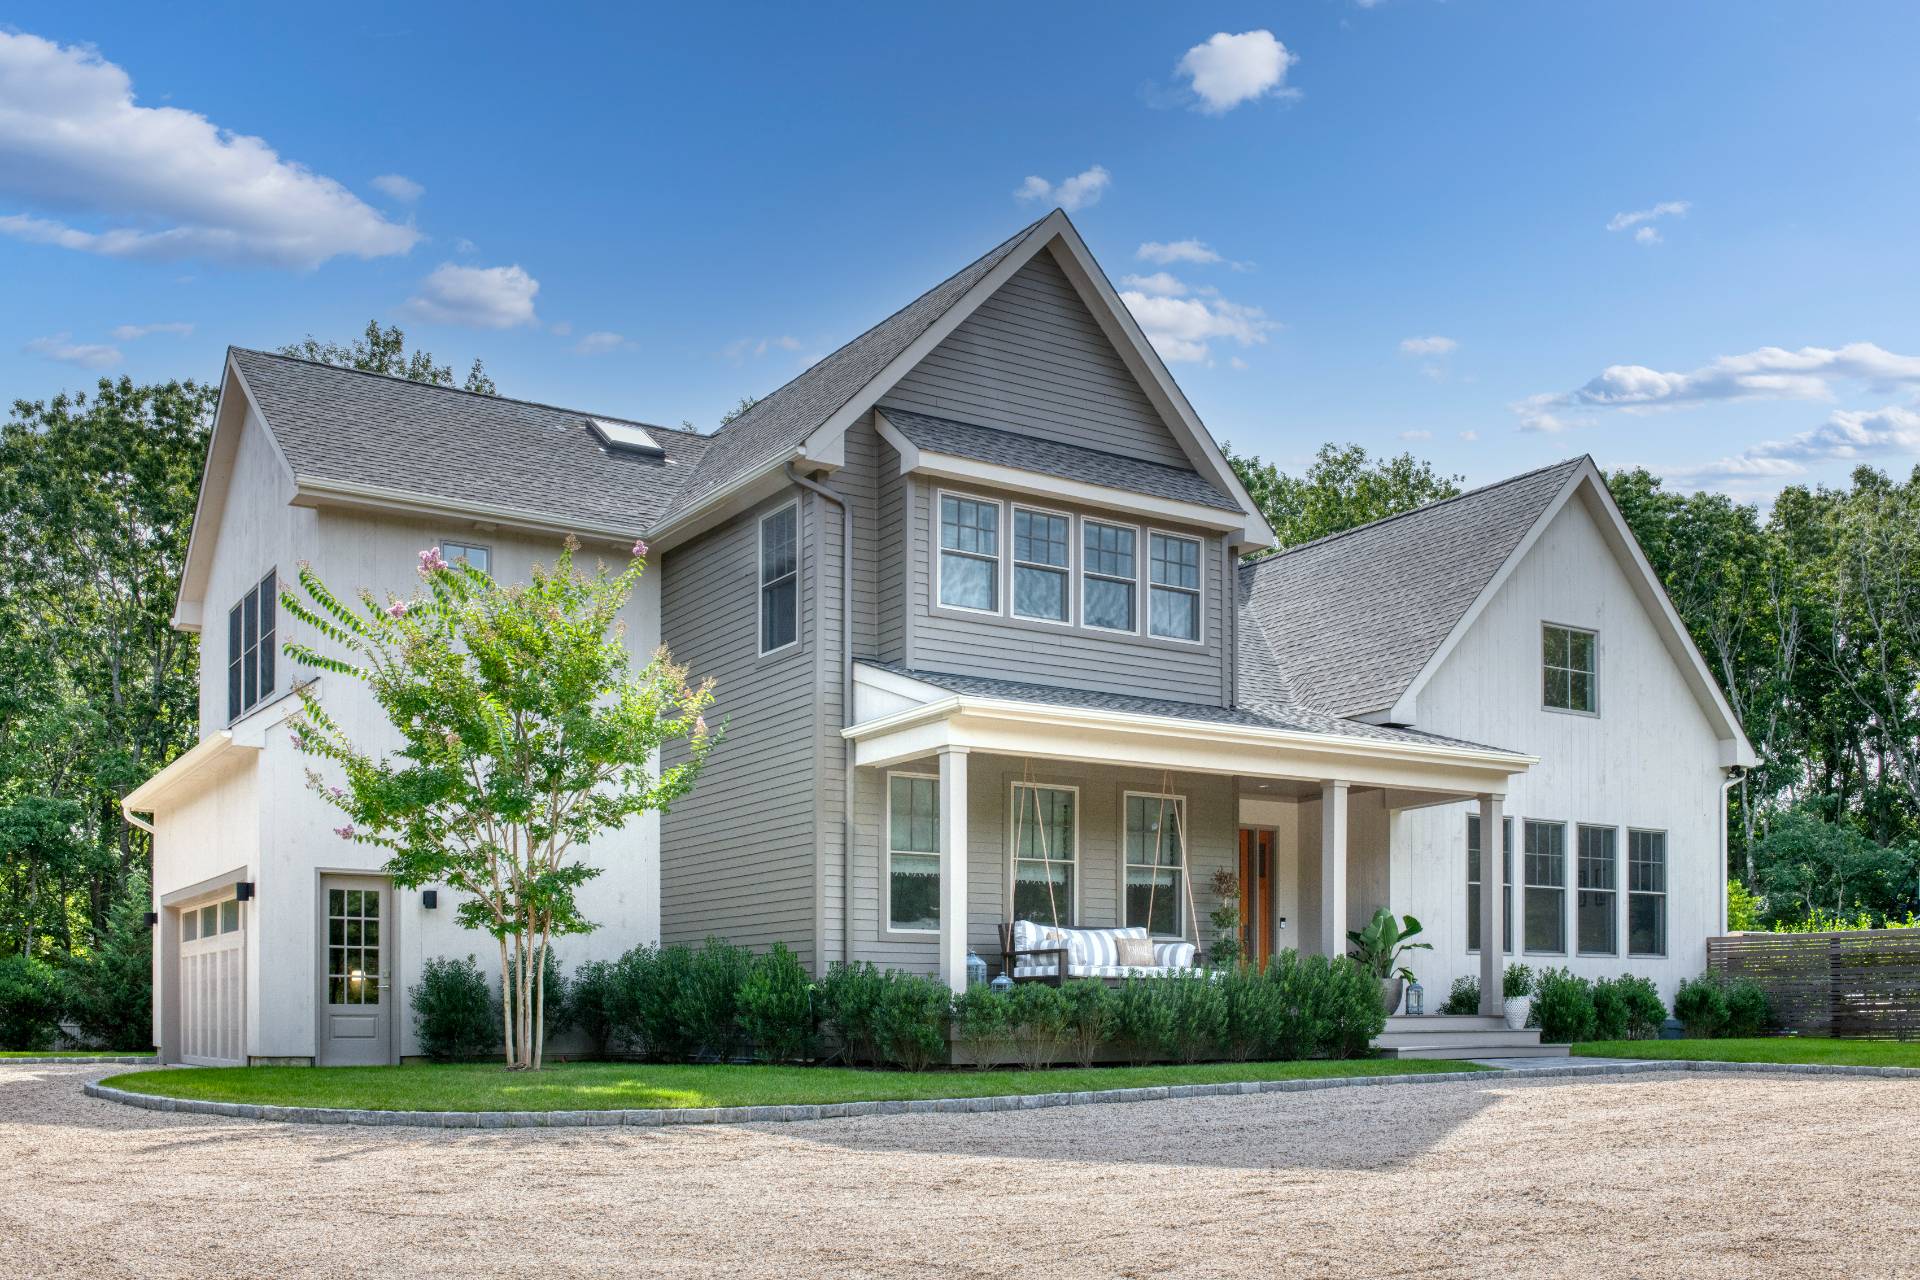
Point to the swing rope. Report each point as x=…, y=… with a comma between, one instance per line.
x=1029, y=795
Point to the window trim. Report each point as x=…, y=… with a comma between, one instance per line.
x=1199, y=592
x=1139, y=533
x=1506, y=866
x=1593, y=634
x=887, y=926
x=1665, y=895
x=1013, y=848
x=239, y=709
x=999, y=559
x=470, y=546
x=1015, y=564
x=1580, y=828
x=760, y=578
x=1186, y=862
x=1527, y=886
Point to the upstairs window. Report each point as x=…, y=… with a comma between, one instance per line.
x=779, y=579
x=1173, y=601
x=479, y=557
x=1041, y=565
x=969, y=554
x=250, y=645
x=1109, y=577
x=1569, y=669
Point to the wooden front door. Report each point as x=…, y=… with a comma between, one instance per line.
x=1256, y=894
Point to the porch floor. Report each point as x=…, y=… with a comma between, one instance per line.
x=1445, y=1035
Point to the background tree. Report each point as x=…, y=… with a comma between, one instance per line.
x=525, y=733
x=1341, y=489
x=385, y=351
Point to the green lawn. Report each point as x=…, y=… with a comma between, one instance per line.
x=623, y=1086
x=1862, y=1053
x=76, y=1053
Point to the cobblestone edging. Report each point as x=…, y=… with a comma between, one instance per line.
x=655, y=1118
x=148, y=1061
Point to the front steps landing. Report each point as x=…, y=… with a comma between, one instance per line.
x=1444, y=1035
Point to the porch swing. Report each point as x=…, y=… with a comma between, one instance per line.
x=1054, y=952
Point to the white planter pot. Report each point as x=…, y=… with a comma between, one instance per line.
x=1517, y=1010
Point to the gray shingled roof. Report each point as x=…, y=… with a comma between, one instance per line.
x=1066, y=461
x=1291, y=719
x=782, y=420
x=368, y=429
x=1349, y=620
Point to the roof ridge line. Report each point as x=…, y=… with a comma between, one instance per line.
x=1414, y=511
x=437, y=386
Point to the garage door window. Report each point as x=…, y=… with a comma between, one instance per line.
x=210, y=921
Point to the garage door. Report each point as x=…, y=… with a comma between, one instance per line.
x=213, y=984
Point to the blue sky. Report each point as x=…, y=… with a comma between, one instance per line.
x=1492, y=233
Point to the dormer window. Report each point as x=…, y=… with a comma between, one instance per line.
x=1173, y=600
x=969, y=554
x=1109, y=576
x=250, y=643
x=1042, y=545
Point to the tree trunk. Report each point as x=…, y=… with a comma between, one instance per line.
x=506, y=1004
x=540, y=1000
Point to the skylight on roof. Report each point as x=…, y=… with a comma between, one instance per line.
x=625, y=437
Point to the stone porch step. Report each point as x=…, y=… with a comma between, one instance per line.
x=1461, y=1036
x=1500, y=1051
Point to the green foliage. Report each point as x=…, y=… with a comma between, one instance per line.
x=984, y=1019
x=1040, y=1016
x=1463, y=997
x=1351, y=1012
x=1379, y=947
x=1747, y=1010
x=593, y=1002
x=555, y=995
x=1342, y=488
x=644, y=1010
x=109, y=988
x=1302, y=985
x=1562, y=1007
x=1626, y=1008
x=776, y=1007
x=1226, y=919
x=1712, y=1006
x=454, y=1015
x=1253, y=1011
x=385, y=351
x=526, y=733
x=707, y=1000
x=1142, y=1019
x=1810, y=868
x=1197, y=1021
x=1516, y=981
x=915, y=1012
x=30, y=1003
x=1828, y=922
x=1743, y=908
x=850, y=999
x=1090, y=1017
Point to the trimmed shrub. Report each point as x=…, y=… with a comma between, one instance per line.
x=109, y=991
x=1627, y=1008
x=646, y=1002
x=914, y=1015
x=1562, y=1007
x=1746, y=1007
x=984, y=1019
x=1039, y=1023
x=593, y=1000
x=1353, y=1014
x=1701, y=1005
x=1516, y=980
x=29, y=1003
x=707, y=1003
x=850, y=1000
x=776, y=1007
x=1090, y=1017
x=1142, y=1019
x=1300, y=994
x=1196, y=1015
x=1463, y=997
x=1253, y=1012
x=455, y=1015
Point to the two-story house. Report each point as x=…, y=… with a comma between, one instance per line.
x=976, y=594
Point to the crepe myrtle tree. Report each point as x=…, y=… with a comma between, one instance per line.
x=526, y=733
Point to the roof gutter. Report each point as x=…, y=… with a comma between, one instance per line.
x=314, y=491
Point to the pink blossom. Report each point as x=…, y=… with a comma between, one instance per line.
x=699, y=726
x=430, y=561
x=345, y=833
x=640, y=547
x=398, y=609
x=338, y=793
x=299, y=743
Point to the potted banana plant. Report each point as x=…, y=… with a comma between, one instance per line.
x=1378, y=949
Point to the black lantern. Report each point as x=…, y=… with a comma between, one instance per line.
x=243, y=891
x=153, y=918
x=429, y=898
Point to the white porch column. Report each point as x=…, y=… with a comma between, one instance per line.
x=1493, y=926
x=953, y=867
x=1333, y=868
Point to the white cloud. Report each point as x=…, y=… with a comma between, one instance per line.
x=88, y=355
x=1769, y=373
x=600, y=342
x=165, y=182
x=1536, y=413
x=464, y=245
x=1235, y=362
x=1231, y=69
x=1846, y=436
x=1644, y=218
x=1180, y=329
x=1416, y=435
x=403, y=189
x=1469, y=435
x=1162, y=283
x=484, y=297
x=1081, y=191
x=742, y=348
x=1176, y=251
x=1434, y=346
x=129, y=332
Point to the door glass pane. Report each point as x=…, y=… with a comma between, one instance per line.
x=353, y=902
x=336, y=902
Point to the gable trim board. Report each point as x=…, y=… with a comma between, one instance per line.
x=1587, y=482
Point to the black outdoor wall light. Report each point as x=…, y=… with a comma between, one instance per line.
x=153, y=918
x=429, y=898
x=243, y=891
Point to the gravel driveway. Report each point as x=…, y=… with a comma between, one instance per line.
x=1658, y=1175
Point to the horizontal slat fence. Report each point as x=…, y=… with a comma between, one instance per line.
x=1862, y=983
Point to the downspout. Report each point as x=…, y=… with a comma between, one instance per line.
x=137, y=821
x=846, y=705
x=1734, y=774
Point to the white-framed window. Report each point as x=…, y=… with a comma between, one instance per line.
x=1155, y=858
x=1109, y=576
x=780, y=578
x=1597, y=905
x=251, y=628
x=1042, y=565
x=1173, y=592
x=969, y=559
x=913, y=853
x=209, y=920
x=471, y=553
x=1046, y=852
x=1546, y=902
x=353, y=945
x=1473, y=883
x=1646, y=893
x=1569, y=669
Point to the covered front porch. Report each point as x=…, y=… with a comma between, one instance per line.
x=981, y=804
